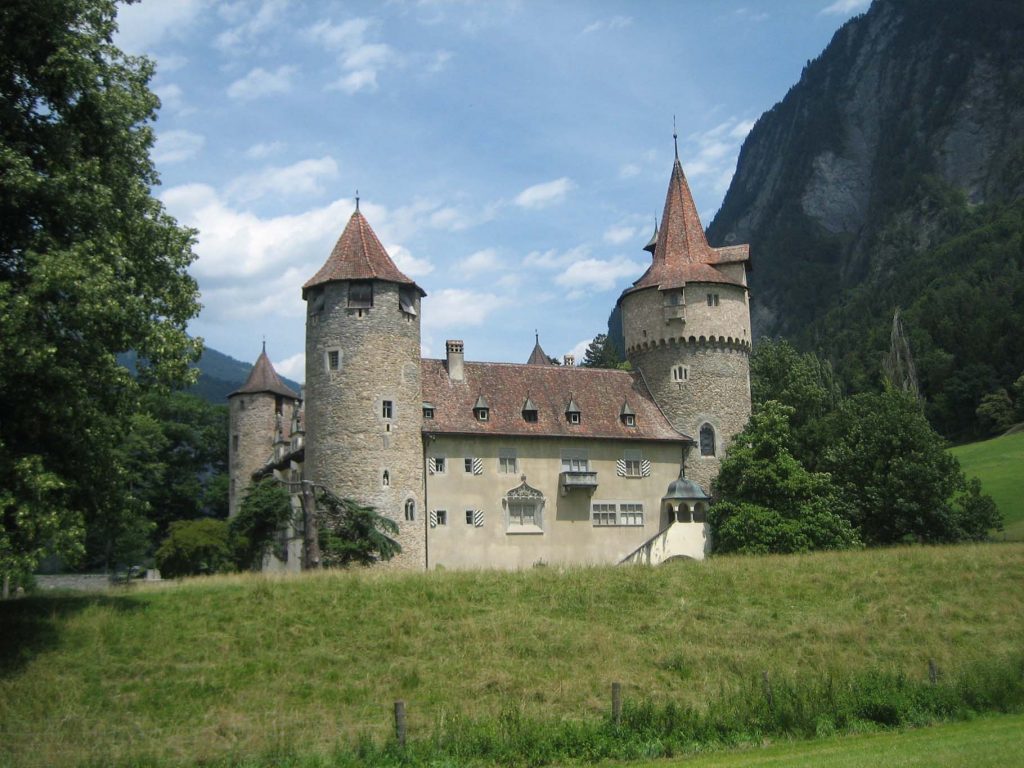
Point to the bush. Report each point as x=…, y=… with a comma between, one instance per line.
x=194, y=547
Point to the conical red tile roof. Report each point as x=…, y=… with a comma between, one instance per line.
x=263, y=378
x=358, y=255
x=682, y=253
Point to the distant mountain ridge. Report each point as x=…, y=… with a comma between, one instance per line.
x=219, y=375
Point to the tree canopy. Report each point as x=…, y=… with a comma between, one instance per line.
x=90, y=266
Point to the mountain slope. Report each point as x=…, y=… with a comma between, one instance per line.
x=911, y=89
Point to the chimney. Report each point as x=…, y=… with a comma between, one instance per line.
x=569, y=360
x=455, y=358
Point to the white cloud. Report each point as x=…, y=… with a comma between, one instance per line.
x=747, y=14
x=264, y=149
x=844, y=7
x=629, y=170
x=360, y=61
x=741, y=129
x=476, y=263
x=407, y=263
x=543, y=195
x=619, y=235
x=580, y=350
x=457, y=307
x=615, y=22
x=170, y=62
x=301, y=178
x=552, y=259
x=716, y=150
x=248, y=25
x=177, y=146
x=259, y=82
x=172, y=98
x=293, y=367
x=145, y=25
x=588, y=275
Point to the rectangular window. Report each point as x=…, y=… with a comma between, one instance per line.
x=469, y=517
x=576, y=462
x=604, y=514
x=507, y=464
x=428, y=412
x=631, y=514
x=407, y=300
x=712, y=299
x=442, y=516
x=386, y=409
x=680, y=373
x=333, y=360
x=632, y=460
x=622, y=514
x=522, y=513
x=360, y=294
x=530, y=416
x=439, y=465
x=468, y=464
x=234, y=442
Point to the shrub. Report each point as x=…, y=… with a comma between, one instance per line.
x=195, y=547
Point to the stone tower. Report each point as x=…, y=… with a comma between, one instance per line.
x=260, y=412
x=363, y=393
x=686, y=324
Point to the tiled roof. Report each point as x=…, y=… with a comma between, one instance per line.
x=682, y=253
x=599, y=393
x=263, y=378
x=358, y=255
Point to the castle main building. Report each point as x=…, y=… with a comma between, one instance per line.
x=501, y=465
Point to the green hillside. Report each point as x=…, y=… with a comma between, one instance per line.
x=228, y=668
x=999, y=464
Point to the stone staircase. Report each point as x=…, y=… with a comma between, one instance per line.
x=689, y=540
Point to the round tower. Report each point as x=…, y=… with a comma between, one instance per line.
x=260, y=415
x=686, y=326
x=363, y=410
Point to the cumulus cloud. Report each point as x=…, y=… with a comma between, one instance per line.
x=143, y=26
x=301, y=178
x=264, y=149
x=248, y=21
x=259, y=82
x=359, y=60
x=580, y=350
x=619, y=235
x=615, y=22
x=172, y=99
x=407, y=263
x=545, y=194
x=458, y=307
x=293, y=367
x=588, y=275
x=177, y=146
x=715, y=153
x=554, y=259
x=479, y=262
x=629, y=170
x=845, y=7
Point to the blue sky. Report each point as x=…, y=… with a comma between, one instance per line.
x=511, y=155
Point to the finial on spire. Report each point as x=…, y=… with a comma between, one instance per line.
x=357, y=199
x=675, y=136
x=536, y=336
x=264, y=344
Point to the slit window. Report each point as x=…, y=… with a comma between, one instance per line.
x=410, y=510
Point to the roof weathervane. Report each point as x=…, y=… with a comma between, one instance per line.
x=675, y=136
x=357, y=200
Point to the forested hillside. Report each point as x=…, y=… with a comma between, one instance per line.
x=891, y=176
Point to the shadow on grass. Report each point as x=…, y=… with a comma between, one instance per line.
x=33, y=625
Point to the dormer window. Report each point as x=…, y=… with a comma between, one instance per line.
x=428, y=411
x=529, y=411
x=481, y=410
x=627, y=415
x=360, y=294
x=572, y=412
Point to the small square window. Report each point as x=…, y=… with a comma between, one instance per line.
x=629, y=419
x=530, y=416
x=439, y=464
x=428, y=412
x=482, y=414
x=386, y=409
x=442, y=517
x=469, y=517
x=712, y=299
x=574, y=417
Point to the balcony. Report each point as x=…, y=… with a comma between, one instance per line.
x=574, y=480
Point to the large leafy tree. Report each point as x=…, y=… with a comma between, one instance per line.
x=353, y=533
x=768, y=502
x=90, y=266
x=265, y=510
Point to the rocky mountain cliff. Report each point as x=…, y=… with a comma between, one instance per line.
x=853, y=168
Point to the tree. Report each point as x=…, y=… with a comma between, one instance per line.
x=90, y=266
x=767, y=501
x=264, y=511
x=351, y=532
x=601, y=353
x=901, y=481
x=194, y=547
x=996, y=412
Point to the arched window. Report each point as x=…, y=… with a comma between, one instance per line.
x=385, y=479
x=707, y=440
x=410, y=510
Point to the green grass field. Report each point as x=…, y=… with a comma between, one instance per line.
x=223, y=668
x=999, y=464
x=989, y=742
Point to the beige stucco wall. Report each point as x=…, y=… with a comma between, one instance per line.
x=569, y=534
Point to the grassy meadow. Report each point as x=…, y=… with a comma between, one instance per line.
x=999, y=464
x=225, y=668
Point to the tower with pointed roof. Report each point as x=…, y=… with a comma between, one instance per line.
x=363, y=391
x=260, y=415
x=686, y=325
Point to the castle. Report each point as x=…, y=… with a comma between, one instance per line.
x=500, y=465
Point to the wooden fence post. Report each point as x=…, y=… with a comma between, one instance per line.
x=400, y=722
x=933, y=672
x=767, y=685
x=616, y=703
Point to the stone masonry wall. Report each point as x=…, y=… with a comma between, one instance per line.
x=253, y=425
x=349, y=442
